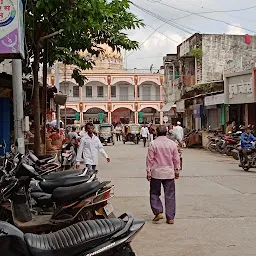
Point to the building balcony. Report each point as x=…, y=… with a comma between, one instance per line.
x=104, y=98
x=118, y=98
x=71, y=98
x=188, y=80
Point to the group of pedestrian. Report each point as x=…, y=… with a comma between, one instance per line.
x=147, y=133
x=162, y=164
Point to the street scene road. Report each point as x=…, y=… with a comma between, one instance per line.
x=216, y=213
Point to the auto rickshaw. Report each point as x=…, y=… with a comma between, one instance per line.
x=106, y=134
x=132, y=133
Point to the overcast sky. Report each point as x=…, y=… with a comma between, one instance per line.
x=166, y=38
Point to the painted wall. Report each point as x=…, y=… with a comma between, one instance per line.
x=226, y=52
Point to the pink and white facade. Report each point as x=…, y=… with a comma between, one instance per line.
x=119, y=94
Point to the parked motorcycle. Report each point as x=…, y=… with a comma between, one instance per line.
x=220, y=144
x=68, y=155
x=43, y=164
x=212, y=144
x=230, y=143
x=71, y=203
x=42, y=192
x=93, y=237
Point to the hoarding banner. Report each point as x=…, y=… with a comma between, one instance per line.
x=11, y=29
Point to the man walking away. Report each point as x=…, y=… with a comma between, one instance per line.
x=144, y=134
x=89, y=147
x=118, y=131
x=151, y=132
x=179, y=131
x=163, y=164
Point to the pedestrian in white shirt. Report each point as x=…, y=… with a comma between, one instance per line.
x=89, y=147
x=82, y=133
x=144, y=132
x=178, y=130
x=73, y=134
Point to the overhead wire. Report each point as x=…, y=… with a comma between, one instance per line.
x=166, y=21
x=169, y=22
x=146, y=39
x=178, y=26
x=210, y=11
x=199, y=15
x=171, y=39
x=213, y=11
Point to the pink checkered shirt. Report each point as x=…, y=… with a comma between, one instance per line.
x=163, y=158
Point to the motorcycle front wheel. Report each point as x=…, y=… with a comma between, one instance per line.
x=246, y=168
x=212, y=148
x=229, y=151
x=125, y=251
x=6, y=215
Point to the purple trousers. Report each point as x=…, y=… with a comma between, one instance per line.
x=169, y=194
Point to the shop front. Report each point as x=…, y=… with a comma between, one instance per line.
x=214, y=110
x=198, y=115
x=240, y=94
x=180, y=110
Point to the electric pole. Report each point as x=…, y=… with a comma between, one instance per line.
x=18, y=104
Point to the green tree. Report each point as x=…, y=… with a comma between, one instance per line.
x=80, y=25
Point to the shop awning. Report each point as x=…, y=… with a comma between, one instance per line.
x=168, y=107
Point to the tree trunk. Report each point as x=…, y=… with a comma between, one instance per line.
x=36, y=101
x=44, y=95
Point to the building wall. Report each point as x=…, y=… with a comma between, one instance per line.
x=6, y=67
x=226, y=52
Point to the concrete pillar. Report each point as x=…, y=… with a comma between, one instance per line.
x=109, y=92
x=161, y=117
x=136, y=117
x=246, y=114
x=18, y=104
x=81, y=117
x=110, y=117
x=136, y=91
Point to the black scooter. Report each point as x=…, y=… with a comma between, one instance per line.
x=94, y=237
x=67, y=204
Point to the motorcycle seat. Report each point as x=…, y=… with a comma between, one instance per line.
x=40, y=160
x=42, y=199
x=66, y=194
x=49, y=186
x=40, y=196
x=58, y=175
x=75, y=239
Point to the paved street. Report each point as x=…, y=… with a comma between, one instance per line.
x=216, y=209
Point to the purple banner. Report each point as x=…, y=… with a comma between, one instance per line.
x=9, y=43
